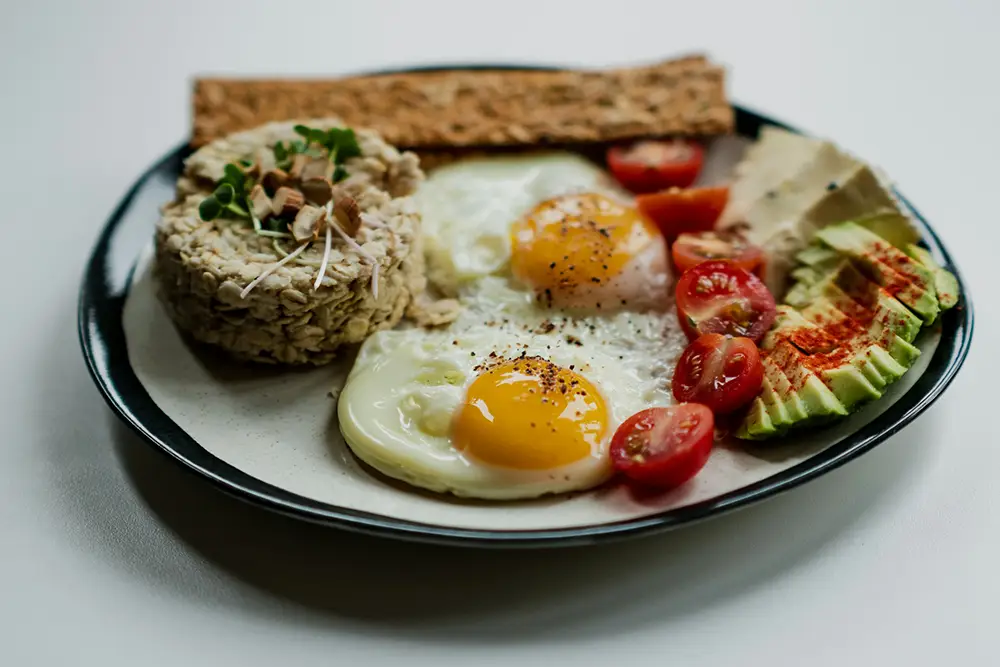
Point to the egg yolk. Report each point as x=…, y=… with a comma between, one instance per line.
x=530, y=414
x=577, y=242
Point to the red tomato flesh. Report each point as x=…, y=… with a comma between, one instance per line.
x=678, y=211
x=719, y=372
x=690, y=250
x=664, y=447
x=648, y=166
x=719, y=297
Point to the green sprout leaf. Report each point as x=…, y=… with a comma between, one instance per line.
x=235, y=177
x=246, y=164
x=233, y=174
x=210, y=208
x=225, y=194
x=311, y=136
x=280, y=152
x=237, y=210
x=339, y=173
x=342, y=144
x=339, y=143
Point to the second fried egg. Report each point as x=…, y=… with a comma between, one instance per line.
x=555, y=222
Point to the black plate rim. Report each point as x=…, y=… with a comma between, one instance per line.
x=102, y=342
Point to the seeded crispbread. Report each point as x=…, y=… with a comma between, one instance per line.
x=484, y=108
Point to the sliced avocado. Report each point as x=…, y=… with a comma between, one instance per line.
x=776, y=409
x=850, y=385
x=888, y=368
x=869, y=340
x=815, y=255
x=824, y=312
x=785, y=318
x=800, y=294
x=865, y=367
x=873, y=372
x=756, y=425
x=810, y=279
x=819, y=401
x=807, y=274
x=837, y=360
x=910, y=281
x=903, y=352
x=791, y=404
x=945, y=283
x=867, y=295
x=878, y=323
x=788, y=406
x=892, y=226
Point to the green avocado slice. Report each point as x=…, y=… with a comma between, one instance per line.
x=818, y=399
x=805, y=387
x=892, y=226
x=865, y=295
x=879, y=322
x=843, y=370
x=776, y=410
x=945, y=283
x=817, y=255
x=910, y=281
x=757, y=424
x=868, y=335
x=809, y=275
x=789, y=406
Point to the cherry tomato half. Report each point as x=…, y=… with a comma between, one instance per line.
x=718, y=297
x=678, y=211
x=664, y=447
x=690, y=250
x=648, y=166
x=719, y=372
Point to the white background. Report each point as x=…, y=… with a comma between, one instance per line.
x=109, y=555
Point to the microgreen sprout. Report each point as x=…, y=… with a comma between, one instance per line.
x=340, y=143
x=229, y=196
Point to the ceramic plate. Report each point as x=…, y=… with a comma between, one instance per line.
x=231, y=424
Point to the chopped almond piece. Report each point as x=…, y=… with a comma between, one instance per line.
x=317, y=190
x=298, y=164
x=348, y=214
x=306, y=224
x=287, y=201
x=265, y=160
x=274, y=179
x=253, y=171
x=260, y=203
x=317, y=167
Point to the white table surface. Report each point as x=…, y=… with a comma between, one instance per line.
x=112, y=556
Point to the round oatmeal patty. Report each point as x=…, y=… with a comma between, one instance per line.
x=202, y=267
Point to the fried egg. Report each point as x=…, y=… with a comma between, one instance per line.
x=567, y=328
x=507, y=402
